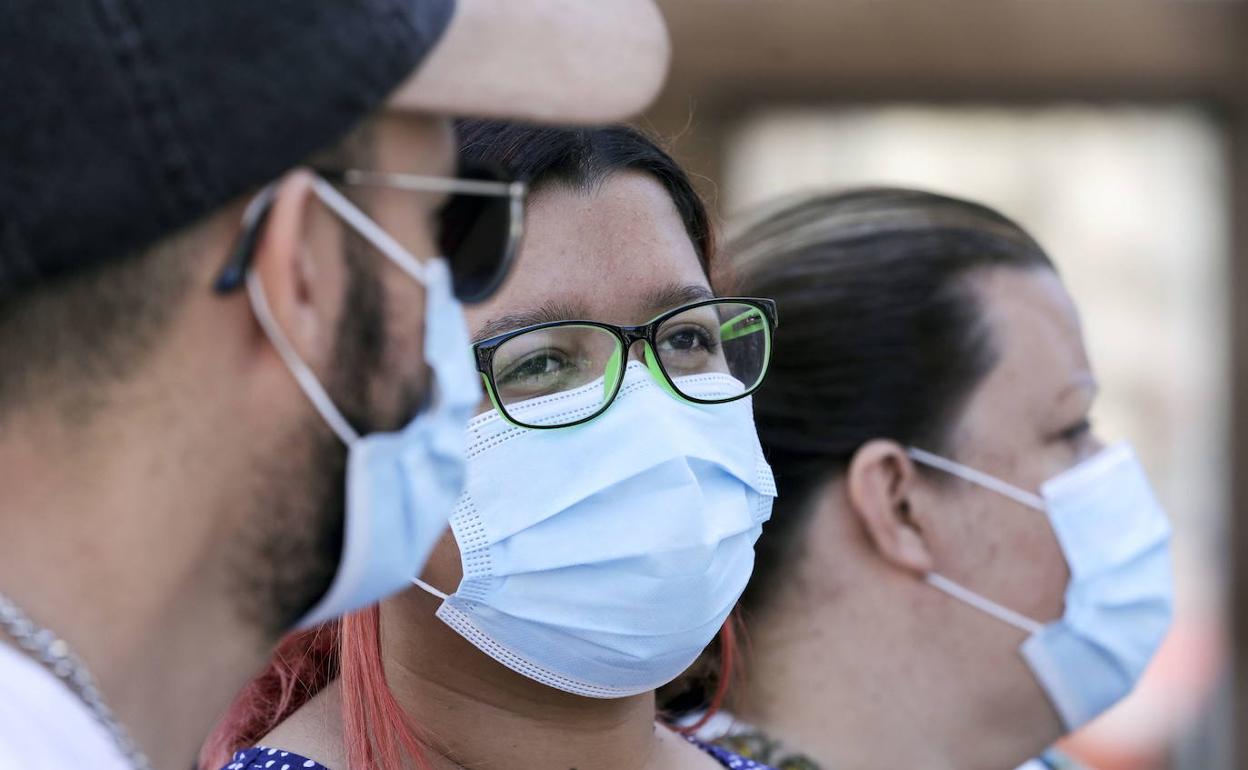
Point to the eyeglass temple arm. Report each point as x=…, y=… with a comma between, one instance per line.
x=254, y=217
x=423, y=183
x=742, y=324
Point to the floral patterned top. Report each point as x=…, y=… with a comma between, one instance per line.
x=265, y=758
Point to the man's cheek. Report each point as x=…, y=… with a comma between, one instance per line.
x=407, y=384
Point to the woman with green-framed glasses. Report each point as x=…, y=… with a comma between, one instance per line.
x=616, y=487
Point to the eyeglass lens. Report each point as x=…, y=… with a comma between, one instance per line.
x=726, y=337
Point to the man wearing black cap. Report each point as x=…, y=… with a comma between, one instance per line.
x=198, y=201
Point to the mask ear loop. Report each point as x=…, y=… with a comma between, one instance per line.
x=983, y=604
x=307, y=381
x=977, y=477
x=959, y=592
x=378, y=238
x=429, y=589
x=370, y=231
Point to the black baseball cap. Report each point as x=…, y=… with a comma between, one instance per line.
x=126, y=120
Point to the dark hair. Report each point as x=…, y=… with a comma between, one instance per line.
x=68, y=337
x=883, y=336
x=583, y=159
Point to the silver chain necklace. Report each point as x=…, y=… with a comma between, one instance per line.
x=55, y=655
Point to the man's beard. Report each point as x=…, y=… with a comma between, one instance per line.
x=294, y=543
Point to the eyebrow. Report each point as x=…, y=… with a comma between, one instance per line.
x=656, y=302
x=676, y=294
x=545, y=313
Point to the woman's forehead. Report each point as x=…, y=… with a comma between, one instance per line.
x=1042, y=361
x=617, y=253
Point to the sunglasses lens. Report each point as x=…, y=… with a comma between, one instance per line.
x=478, y=236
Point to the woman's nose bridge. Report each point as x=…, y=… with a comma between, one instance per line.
x=633, y=335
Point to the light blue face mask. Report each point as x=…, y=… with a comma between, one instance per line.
x=1120, y=599
x=401, y=486
x=601, y=559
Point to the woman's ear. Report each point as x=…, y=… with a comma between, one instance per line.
x=879, y=486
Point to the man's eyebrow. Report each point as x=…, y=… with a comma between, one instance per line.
x=546, y=313
x=674, y=295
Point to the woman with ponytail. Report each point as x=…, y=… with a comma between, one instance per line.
x=958, y=571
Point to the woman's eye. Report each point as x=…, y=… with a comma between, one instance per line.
x=536, y=366
x=687, y=340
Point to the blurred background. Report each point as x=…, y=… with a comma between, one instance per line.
x=1116, y=131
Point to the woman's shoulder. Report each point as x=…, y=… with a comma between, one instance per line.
x=729, y=759
x=265, y=758
x=733, y=740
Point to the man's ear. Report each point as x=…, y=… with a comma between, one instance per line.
x=879, y=486
x=299, y=262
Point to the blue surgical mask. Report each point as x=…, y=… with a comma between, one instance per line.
x=601, y=559
x=401, y=486
x=1120, y=599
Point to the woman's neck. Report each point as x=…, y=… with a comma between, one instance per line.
x=477, y=725
x=481, y=714
x=858, y=687
x=474, y=713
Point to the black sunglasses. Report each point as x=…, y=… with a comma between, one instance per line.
x=480, y=225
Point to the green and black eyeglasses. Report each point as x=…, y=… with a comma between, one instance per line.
x=730, y=335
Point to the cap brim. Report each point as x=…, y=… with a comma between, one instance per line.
x=548, y=61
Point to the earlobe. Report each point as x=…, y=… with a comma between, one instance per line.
x=879, y=485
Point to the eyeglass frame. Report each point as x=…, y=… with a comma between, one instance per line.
x=484, y=351
x=235, y=270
